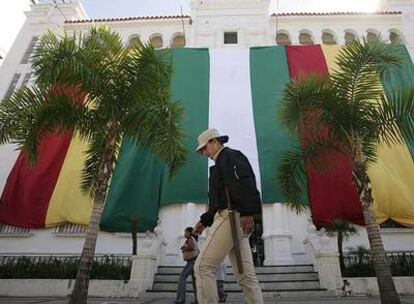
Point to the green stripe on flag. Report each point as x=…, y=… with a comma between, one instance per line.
x=269, y=73
x=402, y=78
x=135, y=190
x=190, y=86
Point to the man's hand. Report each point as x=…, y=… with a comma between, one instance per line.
x=198, y=228
x=247, y=224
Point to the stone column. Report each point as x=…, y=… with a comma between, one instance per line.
x=276, y=235
x=145, y=263
x=323, y=251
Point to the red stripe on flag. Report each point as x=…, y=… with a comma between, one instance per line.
x=332, y=194
x=28, y=190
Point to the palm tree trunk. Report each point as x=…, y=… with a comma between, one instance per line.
x=80, y=290
x=388, y=292
x=340, y=242
x=134, y=231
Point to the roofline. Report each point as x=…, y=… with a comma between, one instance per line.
x=128, y=19
x=298, y=14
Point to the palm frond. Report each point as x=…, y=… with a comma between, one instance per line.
x=318, y=155
x=303, y=96
x=94, y=158
x=313, y=105
x=147, y=69
x=157, y=127
x=292, y=178
x=394, y=117
x=360, y=65
x=32, y=113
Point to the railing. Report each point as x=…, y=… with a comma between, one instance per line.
x=359, y=264
x=71, y=229
x=63, y=267
x=7, y=230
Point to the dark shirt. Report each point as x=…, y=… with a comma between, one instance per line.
x=232, y=170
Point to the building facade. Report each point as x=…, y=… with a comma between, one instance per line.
x=213, y=24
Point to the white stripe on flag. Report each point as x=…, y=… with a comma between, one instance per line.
x=231, y=109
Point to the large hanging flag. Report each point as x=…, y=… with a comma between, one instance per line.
x=236, y=90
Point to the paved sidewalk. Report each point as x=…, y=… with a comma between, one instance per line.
x=161, y=300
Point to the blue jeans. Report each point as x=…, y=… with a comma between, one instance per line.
x=187, y=271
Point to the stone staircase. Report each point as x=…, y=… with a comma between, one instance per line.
x=276, y=282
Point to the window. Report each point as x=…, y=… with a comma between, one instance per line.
x=26, y=79
x=305, y=39
x=328, y=38
x=178, y=42
x=156, y=42
x=282, y=39
x=134, y=39
x=30, y=49
x=349, y=37
x=230, y=38
x=13, y=84
x=372, y=37
x=395, y=38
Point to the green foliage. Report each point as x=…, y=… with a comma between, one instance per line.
x=346, y=229
x=358, y=263
x=346, y=113
x=103, y=268
x=91, y=83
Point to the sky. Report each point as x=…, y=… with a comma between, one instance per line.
x=127, y=8
x=11, y=20
x=12, y=16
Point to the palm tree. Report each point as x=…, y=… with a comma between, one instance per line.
x=344, y=230
x=349, y=114
x=126, y=92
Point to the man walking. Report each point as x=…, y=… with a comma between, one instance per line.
x=232, y=174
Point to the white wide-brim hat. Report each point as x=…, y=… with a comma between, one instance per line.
x=208, y=135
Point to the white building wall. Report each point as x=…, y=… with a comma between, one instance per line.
x=283, y=230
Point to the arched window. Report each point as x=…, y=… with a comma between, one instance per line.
x=133, y=39
x=372, y=36
x=305, y=38
x=156, y=41
x=349, y=37
x=178, y=41
x=395, y=38
x=282, y=39
x=328, y=38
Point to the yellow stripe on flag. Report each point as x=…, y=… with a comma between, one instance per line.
x=68, y=202
x=391, y=176
x=392, y=179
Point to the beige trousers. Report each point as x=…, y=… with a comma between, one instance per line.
x=218, y=244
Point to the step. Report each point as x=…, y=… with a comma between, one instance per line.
x=232, y=286
x=262, y=277
x=263, y=269
x=237, y=295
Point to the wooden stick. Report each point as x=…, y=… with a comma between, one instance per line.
x=234, y=232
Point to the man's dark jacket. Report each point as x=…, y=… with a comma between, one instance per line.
x=232, y=170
